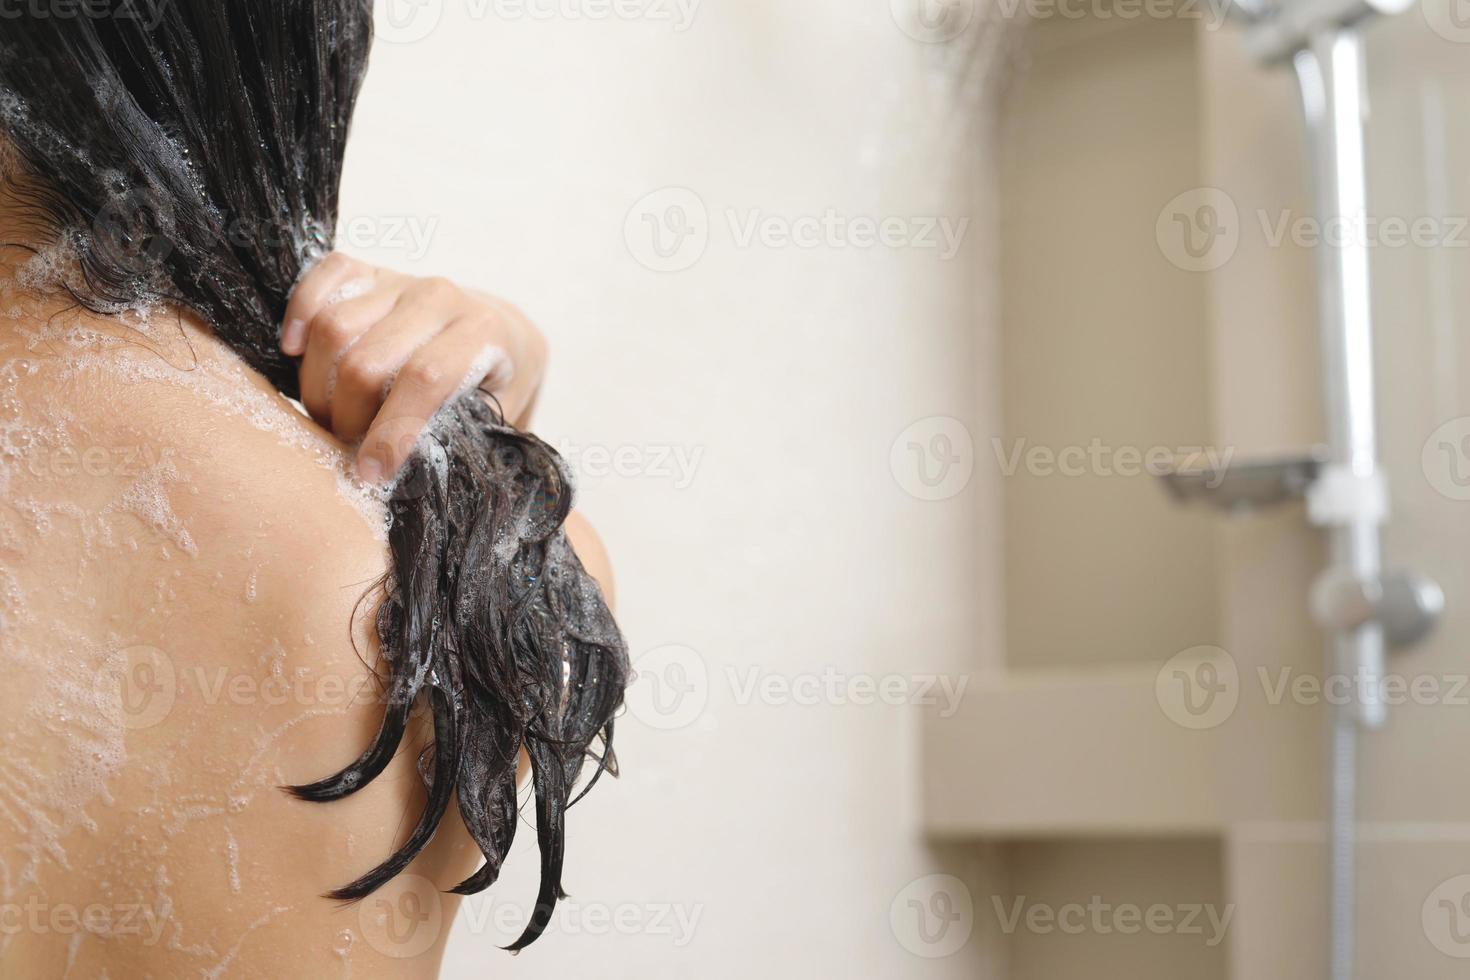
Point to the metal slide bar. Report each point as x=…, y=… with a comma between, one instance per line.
x=1329, y=71
x=1359, y=606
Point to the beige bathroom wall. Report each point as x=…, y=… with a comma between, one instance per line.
x=761, y=531
x=1094, y=881
x=1105, y=347
x=1118, y=126
x=1099, y=800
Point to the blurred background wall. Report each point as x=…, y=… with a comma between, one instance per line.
x=731, y=416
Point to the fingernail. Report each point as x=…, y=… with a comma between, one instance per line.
x=293, y=336
x=370, y=470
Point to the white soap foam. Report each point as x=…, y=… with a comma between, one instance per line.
x=350, y=290
x=148, y=500
x=232, y=857
x=224, y=381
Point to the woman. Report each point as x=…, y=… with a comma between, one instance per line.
x=207, y=595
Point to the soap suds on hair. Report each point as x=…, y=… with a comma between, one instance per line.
x=492, y=366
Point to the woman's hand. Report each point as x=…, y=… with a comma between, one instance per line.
x=381, y=352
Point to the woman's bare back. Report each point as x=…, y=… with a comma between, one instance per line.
x=181, y=554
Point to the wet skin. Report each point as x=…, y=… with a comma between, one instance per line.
x=181, y=555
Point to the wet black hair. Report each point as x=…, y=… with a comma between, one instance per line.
x=189, y=153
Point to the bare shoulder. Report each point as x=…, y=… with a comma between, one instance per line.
x=214, y=545
x=184, y=566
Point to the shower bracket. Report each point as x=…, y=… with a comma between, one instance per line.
x=1366, y=608
x=1405, y=605
x=1249, y=485
x=1339, y=497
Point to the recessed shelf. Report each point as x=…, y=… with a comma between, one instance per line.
x=1073, y=752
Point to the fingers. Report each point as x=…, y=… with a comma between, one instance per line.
x=367, y=341
x=330, y=335
x=368, y=367
x=381, y=353
x=448, y=365
x=312, y=295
